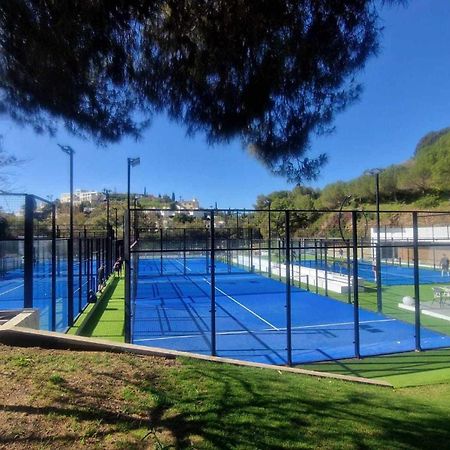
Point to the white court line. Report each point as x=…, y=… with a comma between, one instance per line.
x=237, y=302
x=224, y=333
x=243, y=306
x=81, y=286
x=339, y=324
x=20, y=285
x=13, y=289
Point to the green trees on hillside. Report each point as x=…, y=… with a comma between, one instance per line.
x=423, y=181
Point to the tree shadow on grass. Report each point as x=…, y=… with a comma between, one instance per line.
x=243, y=412
x=229, y=407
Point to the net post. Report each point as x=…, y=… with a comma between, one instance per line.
x=288, y=289
x=355, y=284
x=416, y=281
x=53, y=312
x=28, y=251
x=127, y=311
x=213, y=284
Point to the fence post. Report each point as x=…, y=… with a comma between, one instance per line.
x=87, y=246
x=355, y=284
x=270, y=247
x=326, y=268
x=80, y=273
x=316, y=265
x=378, y=268
x=184, y=251
x=288, y=289
x=416, y=280
x=70, y=281
x=127, y=245
x=251, y=249
x=349, y=275
x=213, y=285
x=53, y=314
x=28, y=252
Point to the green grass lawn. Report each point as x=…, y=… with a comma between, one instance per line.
x=61, y=399
x=401, y=370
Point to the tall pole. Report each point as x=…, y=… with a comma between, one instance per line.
x=355, y=285
x=131, y=162
x=107, y=210
x=70, y=250
x=378, y=250
x=416, y=280
x=69, y=151
x=108, y=234
x=128, y=190
x=288, y=289
x=213, y=285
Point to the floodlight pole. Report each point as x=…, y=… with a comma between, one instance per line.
x=69, y=151
x=131, y=162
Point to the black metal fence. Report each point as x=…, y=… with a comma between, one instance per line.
x=329, y=283
x=35, y=256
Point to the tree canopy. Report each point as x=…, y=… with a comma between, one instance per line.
x=271, y=72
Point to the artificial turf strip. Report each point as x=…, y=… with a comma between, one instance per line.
x=401, y=370
x=80, y=322
x=91, y=400
x=108, y=320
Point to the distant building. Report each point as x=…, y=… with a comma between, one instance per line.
x=191, y=207
x=188, y=204
x=81, y=196
x=396, y=243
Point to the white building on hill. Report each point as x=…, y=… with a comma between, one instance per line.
x=81, y=196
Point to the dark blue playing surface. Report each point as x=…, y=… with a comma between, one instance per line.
x=173, y=311
x=12, y=292
x=391, y=274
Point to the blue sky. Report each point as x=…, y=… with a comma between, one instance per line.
x=406, y=94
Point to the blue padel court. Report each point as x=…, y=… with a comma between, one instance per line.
x=12, y=292
x=391, y=274
x=171, y=308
